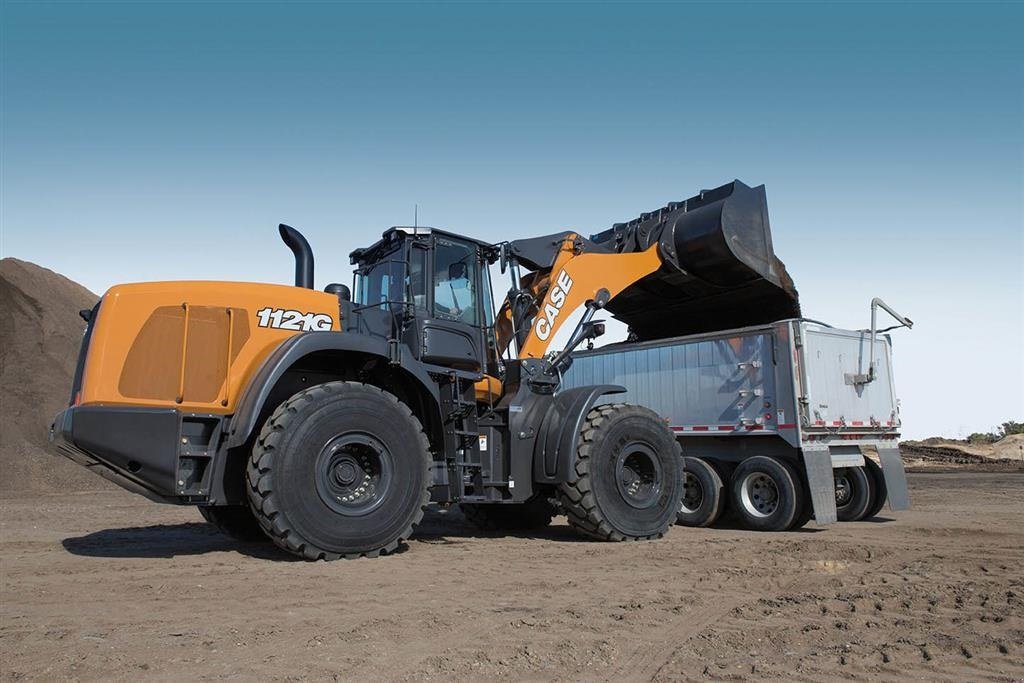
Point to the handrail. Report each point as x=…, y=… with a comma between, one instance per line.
x=227, y=368
x=877, y=303
x=184, y=357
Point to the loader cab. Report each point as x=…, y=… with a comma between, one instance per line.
x=431, y=290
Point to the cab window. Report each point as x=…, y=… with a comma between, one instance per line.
x=456, y=282
x=381, y=282
x=417, y=281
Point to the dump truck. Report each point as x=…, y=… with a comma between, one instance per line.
x=771, y=418
x=327, y=422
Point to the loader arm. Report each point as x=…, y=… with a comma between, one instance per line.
x=579, y=269
x=702, y=264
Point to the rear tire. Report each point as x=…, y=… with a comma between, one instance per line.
x=703, y=494
x=766, y=494
x=853, y=493
x=879, y=493
x=805, y=516
x=806, y=513
x=627, y=477
x=235, y=521
x=340, y=470
x=535, y=513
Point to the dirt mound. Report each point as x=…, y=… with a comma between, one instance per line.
x=40, y=333
x=1005, y=454
x=1011, y=447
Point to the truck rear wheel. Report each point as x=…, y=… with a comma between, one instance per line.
x=879, y=493
x=853, y=493
x=627, y=484
x=535, y=513
x=340, y=470
x=236, y=521
x=766, y=494
x=703, y=494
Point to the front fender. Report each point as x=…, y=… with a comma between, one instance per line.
x=554, y=456
x=250, y=406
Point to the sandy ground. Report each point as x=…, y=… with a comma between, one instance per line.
x=110, y=586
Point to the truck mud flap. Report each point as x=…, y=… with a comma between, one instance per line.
x=895, y=478
x=820, y=482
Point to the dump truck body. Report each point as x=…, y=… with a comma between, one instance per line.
x=779, y=389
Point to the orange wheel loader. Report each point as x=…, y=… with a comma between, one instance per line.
x=327, y=422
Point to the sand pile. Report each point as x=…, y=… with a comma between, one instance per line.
x=1007, y=453
x=40, y=333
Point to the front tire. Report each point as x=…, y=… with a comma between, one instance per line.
x=703, y=494
x=627, y=482
x=340, y=470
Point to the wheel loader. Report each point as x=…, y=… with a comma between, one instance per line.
x=327, y=421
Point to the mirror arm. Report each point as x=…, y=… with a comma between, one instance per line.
x=599, y=301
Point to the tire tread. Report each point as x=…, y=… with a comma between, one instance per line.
x=577, y=501
x=260, y=476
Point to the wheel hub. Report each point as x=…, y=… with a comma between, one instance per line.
x=844, y=491
x=759, y=494
x=353, y=474
x=345, y=473
x=693, y=493
x=638, y=476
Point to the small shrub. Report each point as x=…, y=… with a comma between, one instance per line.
x=1011, y=427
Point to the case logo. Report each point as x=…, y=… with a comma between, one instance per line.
x=556, y=299
x=296, y=321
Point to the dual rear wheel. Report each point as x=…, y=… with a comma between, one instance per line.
x=768, y=494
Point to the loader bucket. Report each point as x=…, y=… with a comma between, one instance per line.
x=719, y=271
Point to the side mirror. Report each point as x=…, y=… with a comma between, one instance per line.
x=503, y=257
x=592, y=329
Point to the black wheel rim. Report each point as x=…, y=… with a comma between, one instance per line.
x=638, y=475
x=353, y=474
x=844, y=490
x=693, y=493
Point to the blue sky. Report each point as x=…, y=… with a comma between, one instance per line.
x=150, y=140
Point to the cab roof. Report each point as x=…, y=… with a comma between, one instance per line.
x=395, y=235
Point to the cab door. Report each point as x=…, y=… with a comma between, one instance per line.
x=453, y=331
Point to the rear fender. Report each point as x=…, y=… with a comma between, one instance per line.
x=554, y=456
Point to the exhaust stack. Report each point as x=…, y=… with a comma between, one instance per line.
x=303, y=255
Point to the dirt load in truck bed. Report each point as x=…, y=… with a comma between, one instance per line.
x=110, y=586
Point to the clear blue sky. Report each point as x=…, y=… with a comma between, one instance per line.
x=152, y=140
